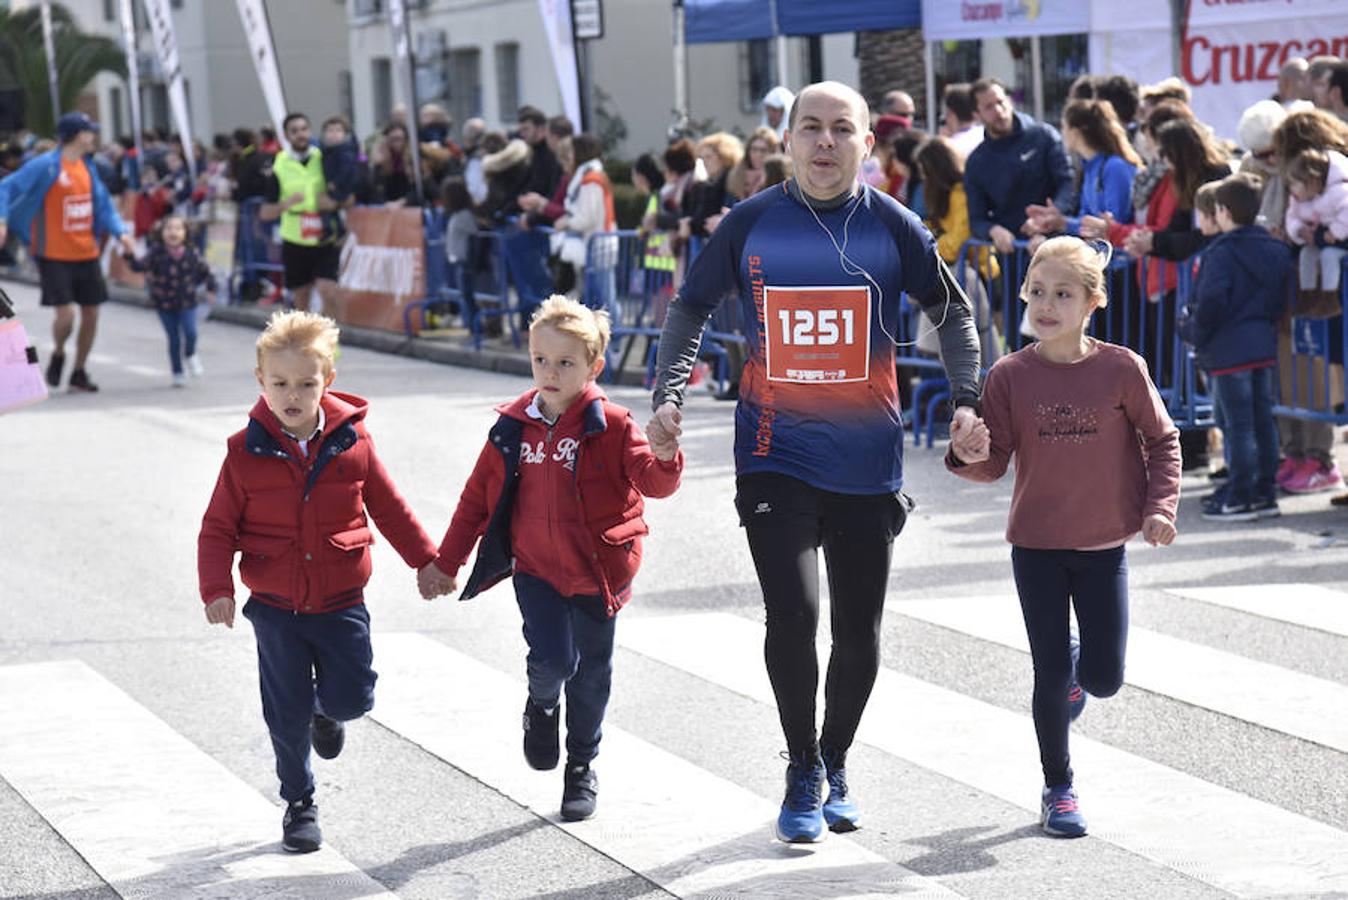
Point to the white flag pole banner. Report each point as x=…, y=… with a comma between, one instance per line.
x=132, y=75
x=946, y=20
x=257, y=31
x=53, y=89
x=1230, y=54
x=557, y=24
x=402, y=56
x=166, y=42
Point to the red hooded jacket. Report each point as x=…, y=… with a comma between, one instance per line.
x=561, y=502
x=300, y=522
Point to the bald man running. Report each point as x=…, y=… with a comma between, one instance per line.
x=819, y=266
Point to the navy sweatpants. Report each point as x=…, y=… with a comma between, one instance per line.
x=1095, y=584
x=307, y=664
x=570, y=646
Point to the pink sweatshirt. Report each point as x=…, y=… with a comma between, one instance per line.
x=1096, y=451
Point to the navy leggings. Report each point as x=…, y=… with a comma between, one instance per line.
x=1095, y=584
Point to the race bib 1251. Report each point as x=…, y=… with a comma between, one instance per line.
x=818, y=335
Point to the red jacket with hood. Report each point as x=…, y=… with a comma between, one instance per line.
x=560, y=502
x=300, y=521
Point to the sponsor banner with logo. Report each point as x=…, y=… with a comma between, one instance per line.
x=964, y=20
x=557, y=23
x=166, y=44
x=1230, y=50
x=382, y=267
x=257, y=31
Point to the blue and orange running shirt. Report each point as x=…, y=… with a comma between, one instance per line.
x=819, y=400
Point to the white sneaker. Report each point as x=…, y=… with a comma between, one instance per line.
x=195, y=367
x=179, y=380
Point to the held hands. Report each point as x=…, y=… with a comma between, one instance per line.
x=220, y=611
x=1138, y=243
x=1044, y=219
x=432, y=582
x=970, y=439
x=1096, y=228
x=1158, y=531
x=663, y=431
x=1002, y=238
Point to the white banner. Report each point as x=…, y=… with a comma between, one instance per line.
x=557, y=23
x=53, y=86
x=962, y=20
x=132, y=77
x=405, y=65
x=1230, y=53
x=257, y=32
x=166, y=42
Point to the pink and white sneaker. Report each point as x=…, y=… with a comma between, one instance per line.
x=1287, y=468
x=1314, y=477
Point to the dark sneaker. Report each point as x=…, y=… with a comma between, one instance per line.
x=79, y=381
x=801, y=820
x=580, y=789
x=54, y=367
x=327, y=735
x=1266, y=509
x=1214, y=500
x=541, y=744
x=1059, y=813
x=1076, y=697
x=299, y=828
x=1230, y=512
x=840, y=813
x=1219, y=476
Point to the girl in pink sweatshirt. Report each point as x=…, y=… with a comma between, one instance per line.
x=1097, y=461
x=1317, y=217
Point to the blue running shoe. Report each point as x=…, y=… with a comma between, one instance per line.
x=1076, y=697
x=801, y=820
x=1059, y=813
x=840, y=813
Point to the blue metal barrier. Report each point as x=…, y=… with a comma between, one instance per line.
x=256, y=250
x=1310, y=388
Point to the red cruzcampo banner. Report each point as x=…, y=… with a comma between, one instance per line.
x=382, y=268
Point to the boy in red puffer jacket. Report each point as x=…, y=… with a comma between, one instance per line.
x=556, y=499
x=292, y=497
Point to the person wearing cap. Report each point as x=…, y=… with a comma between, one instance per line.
x=61, y=209
x=776, y=108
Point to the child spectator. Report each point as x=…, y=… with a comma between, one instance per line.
x=292, y=498
x=556, y=499
x=173, y=271
x=1317, y=220
x=341, y=159
x=1097, y=460
x=460, y=227
x=1238, y=297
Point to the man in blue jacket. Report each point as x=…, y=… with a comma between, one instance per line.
x=1239, y=296
x=1020, y=163
x=60, y=208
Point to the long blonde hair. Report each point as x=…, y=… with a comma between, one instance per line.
x=1087, y=260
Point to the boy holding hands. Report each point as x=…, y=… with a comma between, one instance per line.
x=292, y=498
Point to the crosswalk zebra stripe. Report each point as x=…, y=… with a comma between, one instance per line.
x=1256, y=692
x=152, y=814
x=1222, y=838
x=653, y=815
x=1308, y=605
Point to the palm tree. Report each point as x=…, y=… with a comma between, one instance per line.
x=79, y=57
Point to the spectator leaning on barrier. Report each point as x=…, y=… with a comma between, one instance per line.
x=544, y=169
x=391, y=167
x=1092, y=131
x=1308, y=445
x=589, y=204
x=1255, y=130
x=60, y=208
x=540, y=210
x=297, y=195
x=440, y=155
x=708, y=200
x=1020, y=162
